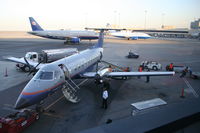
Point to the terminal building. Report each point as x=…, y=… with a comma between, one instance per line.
x=195, y=29
x=195, y=24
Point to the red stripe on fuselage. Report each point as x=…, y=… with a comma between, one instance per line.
x=41, y=91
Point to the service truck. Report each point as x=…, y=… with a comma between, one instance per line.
x=46, y=56
x=17, y=122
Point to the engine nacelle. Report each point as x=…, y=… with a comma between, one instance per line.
x=134, y=38
x=100, y=74
x=75, y=40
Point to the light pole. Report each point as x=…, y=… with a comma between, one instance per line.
x=145, y=17
x=86, y=19
x=163, y=19
x=115, y=18
x=119, y=20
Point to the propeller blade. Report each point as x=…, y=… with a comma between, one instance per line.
x=33, y=69
x=26, y=61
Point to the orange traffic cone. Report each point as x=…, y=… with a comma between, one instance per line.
x=182, y=93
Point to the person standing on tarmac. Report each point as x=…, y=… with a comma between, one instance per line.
x=139, y=70
x=184, y=72
x=171, y=67
x=105, y=97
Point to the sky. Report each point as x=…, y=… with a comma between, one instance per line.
x=78, y=14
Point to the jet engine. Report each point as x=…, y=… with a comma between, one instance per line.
x=75, y=40
x=134, y=38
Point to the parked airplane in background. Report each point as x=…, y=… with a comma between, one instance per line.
x=60, y=74
x=71, y=36
x=130, y=35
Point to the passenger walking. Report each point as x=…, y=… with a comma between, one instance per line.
x=105, y=97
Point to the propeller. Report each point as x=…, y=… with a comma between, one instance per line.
x=32, y=69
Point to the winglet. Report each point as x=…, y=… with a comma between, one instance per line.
x=34, y=25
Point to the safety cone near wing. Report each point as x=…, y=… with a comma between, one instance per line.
x=182, y=93
x=6, y=73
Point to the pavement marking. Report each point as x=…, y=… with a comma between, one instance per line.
x=191, y=88
x=82, y=82
x=8, y=109
x=52, y=115
x=63, y=96
x=54, y=102
x=8, y=105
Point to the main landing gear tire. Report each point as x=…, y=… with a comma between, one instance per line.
x=155, y=68
x=27, y=69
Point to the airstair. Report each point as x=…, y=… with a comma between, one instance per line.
x=70, y=91
x=70, y=88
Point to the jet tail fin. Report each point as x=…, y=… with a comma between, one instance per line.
x=101, y=35
x=34, y=25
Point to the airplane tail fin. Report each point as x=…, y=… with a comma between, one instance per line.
x=101, y=35
x=34, y=25
x=100, y=41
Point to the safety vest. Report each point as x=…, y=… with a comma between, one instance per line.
x=140, y=69
x=170, y=66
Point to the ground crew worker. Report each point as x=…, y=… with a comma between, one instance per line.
x=105, y=97
x=171, y=67
x=110, y=68
x=140, y=69
x=184, y=72
x=127, y=69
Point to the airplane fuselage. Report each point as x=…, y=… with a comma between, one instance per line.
x=51, y=77
x=131, y=35
x=64, y=34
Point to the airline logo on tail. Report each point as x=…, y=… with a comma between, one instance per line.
x=33, y=23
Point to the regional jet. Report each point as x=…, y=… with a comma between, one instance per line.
x=62, y=73
x=130, y=35
x=71, y=36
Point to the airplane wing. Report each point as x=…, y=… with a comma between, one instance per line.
x=21, y=60
x=128, y=74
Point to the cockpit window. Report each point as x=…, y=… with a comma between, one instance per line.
x=45, y=75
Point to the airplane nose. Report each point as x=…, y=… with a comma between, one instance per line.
x=22, y=103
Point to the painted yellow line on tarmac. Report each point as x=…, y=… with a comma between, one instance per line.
x=54, y=102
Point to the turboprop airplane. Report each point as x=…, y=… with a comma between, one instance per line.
x=71, y=36
x=130, y=35
x=61, y=73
